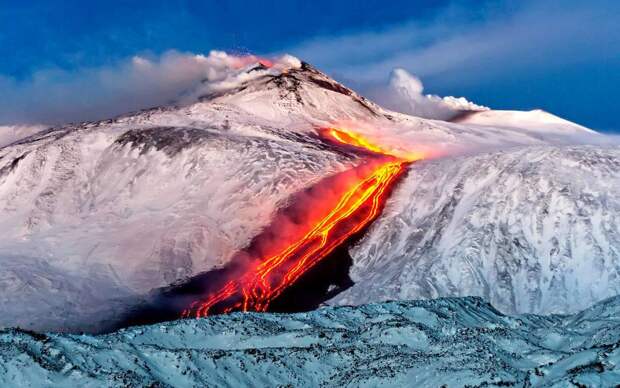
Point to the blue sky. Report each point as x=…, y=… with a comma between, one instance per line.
x=563, y=57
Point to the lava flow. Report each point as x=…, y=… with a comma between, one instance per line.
x=264, y=279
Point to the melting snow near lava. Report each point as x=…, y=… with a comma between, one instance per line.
x=263, y=279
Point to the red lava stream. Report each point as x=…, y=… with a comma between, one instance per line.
x=265, y=278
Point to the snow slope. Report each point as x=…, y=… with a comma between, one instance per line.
x=140, y=208
x=532, y=229
x=141, y=201
x=450, y=342
x=149, y=198
x=529, y=120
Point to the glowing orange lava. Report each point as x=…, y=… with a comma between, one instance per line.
x=352, y=138
x=265, y=279
x=265, y=62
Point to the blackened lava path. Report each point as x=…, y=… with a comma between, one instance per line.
x=264, y=279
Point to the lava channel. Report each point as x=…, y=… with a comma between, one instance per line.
x=264, y=279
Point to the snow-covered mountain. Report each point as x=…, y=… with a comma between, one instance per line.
x=96, y=214
x=452, y=342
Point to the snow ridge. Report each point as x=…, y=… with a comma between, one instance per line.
x=453, y=341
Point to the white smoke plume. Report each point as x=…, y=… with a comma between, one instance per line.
x=12, y=133
x=57, y=96
x=404, y=94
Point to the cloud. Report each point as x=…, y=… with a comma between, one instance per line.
x=55, y=96
x=12, y=133
x=467, y=45
x=404, y=94
x=488, y=52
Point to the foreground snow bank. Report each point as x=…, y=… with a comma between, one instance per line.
x=454, y=341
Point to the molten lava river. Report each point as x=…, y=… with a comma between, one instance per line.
x=264, y=278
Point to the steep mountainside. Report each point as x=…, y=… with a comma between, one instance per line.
x=531, y=230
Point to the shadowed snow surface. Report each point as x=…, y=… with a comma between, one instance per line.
x=454, y=341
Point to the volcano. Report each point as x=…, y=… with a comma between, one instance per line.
x=98, y=216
